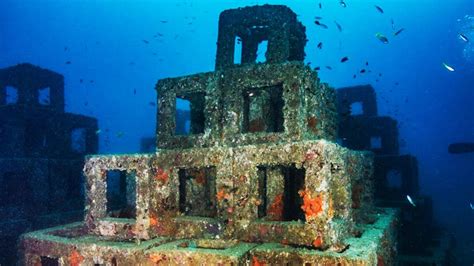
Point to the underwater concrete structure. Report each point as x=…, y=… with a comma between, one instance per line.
x=421, y=241
x=41, y=154
x=255, y=178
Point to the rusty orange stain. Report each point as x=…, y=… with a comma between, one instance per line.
x=318, y=242
x=153, y=221
x=221, y=195
x=312, y=207
x=275, y=210
x=75, y=258
x=201, y=177
x=256, y=262
x=161, y=175
x=155, y=258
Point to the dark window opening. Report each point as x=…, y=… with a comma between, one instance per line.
x=375, y=142
x=262, y=191
x=262, y=52
x=263, y=109
x=189, y=115
x=121, y=194
x=281, y=205
x=197, y=191
x=78, y=140
x=238, y=50
x=11, y=95
x=394, y=179
x=356, y=108
x=44, y=96
x=292, y=202
x=47, y=261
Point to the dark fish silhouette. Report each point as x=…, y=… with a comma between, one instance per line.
x=462, y=147
x=320, y=45
x=362, y=71
x=342, y=3
x=366, y=63
x=317, y=68
x=398, y=31
x=318, y=18
x=145, y=41
x=344, y=59
x=329, y=67
x=164, y=21
x=379, y=9
x=320, y=6
x=381, y=37
x=321, y=24
x=68, y=62
x=339, y=27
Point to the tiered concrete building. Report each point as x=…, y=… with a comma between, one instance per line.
x=41, y=154
x=256, y=178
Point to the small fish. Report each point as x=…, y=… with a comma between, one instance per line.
x=362, y=71
x=320, y=45
x=463, y=37
x=321, y=24
x=380, y=74
x=339, y=27
x=398, y=31
x=320, y=6
x=448, y=67
x=411, y=201
x=342, y=3
x=317, y=68
x=393, y=23
x=145, y=41
x=134, y=91
x=381, y=37
x=329, y=67
x=164, y=21
x=91, y=81
x=152, y=103
x=379, y=9
x=68, y=62
x=354, y=76
x=97, y=132
x=81, y=80
x=344, y=59
x=472, y=206
x=119, y=134
x=318, y=18
x=366, y=63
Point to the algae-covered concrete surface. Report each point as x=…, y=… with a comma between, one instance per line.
x=257, y=180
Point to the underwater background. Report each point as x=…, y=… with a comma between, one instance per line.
x=111, y=54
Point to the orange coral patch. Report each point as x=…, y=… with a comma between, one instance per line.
x=155, y=258
x=220, y=195
x=153, y=221
x=75, y=258
x=161, y=175
x=318, y=242
x=256, y=262
x=312, y=207
x=275, y=210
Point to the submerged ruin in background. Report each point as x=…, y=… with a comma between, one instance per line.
x=41, y=155
x=255, y=177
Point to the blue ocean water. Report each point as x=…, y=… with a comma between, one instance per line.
x=117, y=50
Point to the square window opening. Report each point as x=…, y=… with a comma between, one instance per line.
x=47, y=261
x=394, y=179
x=263, y=109
x=11, y=95
x=357, y=108
x=78, y=140
x=189, y=116
x=36, y=139
x=262, y=52
x=375, y=142
x=238, y=50
x=121, y=194
x=44, y=96
x=282, y=205
x=197, y=191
